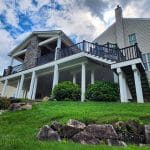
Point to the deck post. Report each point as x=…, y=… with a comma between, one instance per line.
x=34, y=87
x=92, y=77
x=74, y=78
x=4, y=88
x=31, y=85
x=83, y=82
x=20, y=86
x=17, y=88
x=122, y=86
x=138, y=85
x=55, y=76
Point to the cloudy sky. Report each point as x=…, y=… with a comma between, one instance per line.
x=79, y=19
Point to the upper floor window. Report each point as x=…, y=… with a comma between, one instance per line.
x=146, y=60
x=132, y=39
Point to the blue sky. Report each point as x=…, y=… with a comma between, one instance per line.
x=79, y=19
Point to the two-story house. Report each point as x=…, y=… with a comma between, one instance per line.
x=49, y=57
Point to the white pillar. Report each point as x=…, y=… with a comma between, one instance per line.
x=55, y=76
x=20, y=86
x=83, y=82
x=138, y=85
x=57, y=47
x=17, y=88
x=4, y=88
x=31, y=85
x=92, y=77
x=34, y=88
x=122, y=86
x=74, y=78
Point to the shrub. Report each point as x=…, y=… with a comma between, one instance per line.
x=102, y=91
x=4, y=103
x=66, y=91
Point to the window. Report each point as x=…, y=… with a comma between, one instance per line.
x=146, y=60
x=132, y=39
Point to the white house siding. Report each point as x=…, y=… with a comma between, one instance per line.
x=141, y=27
x=108, y=35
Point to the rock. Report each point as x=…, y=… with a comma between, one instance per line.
x=47, y=133
x=111, y=142
x=20, y=106
x=131, y=137
x=15, y=106
x=56, y=126
x=147, y=133
x=45, y=99
x=105, y=131
x=76, y=124
x=26, y=106
x=144, y=145
x=134, y=127
x=85, y=138
x=69, y=131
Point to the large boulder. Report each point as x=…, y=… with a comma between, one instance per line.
x=105, y=131
x=85, y=138
x=76, y=124
x=69, y=131
x=47, y=133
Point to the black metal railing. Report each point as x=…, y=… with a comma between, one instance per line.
x=45, y=59
x=108, y=51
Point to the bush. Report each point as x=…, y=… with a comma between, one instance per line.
x=66, y=91
x=4, y=103
x=102, y=91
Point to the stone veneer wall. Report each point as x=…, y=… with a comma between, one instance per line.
x=32, y=53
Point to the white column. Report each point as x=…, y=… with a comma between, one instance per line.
x=4, y=88
x=34, y=88
x=83, y=82
x=55, y=76
x=17, y=88
x=92, y=77
x=122, y=86
x=74, y=78
x=31, y=85
x=138, y=85
x=57, y=47
x=20, y=86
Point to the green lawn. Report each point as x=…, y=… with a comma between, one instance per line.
x=18, y=129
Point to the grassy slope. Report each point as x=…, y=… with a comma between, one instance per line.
x=18, y=129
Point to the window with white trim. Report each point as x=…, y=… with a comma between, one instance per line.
x=132, y=39
x=146, y=60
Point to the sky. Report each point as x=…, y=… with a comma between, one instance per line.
x=79, y=19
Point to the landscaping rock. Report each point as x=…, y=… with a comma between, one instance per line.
x=111, y=142
x=131, y=137
x=15, y=106
x=144, y=145
x=45, y=99
x=76, y=124
x=56, y=126
x=26, y=106
x=20, y=106
x=85, y=138
x=105, y=131
x=69, y=131
x=147, y=133
x=47, y=133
